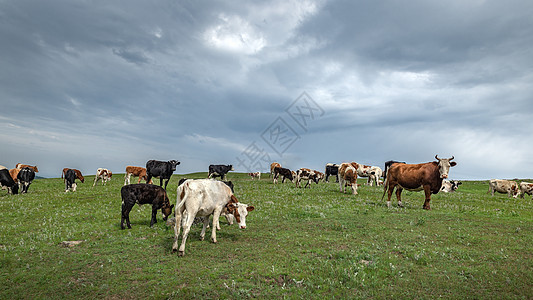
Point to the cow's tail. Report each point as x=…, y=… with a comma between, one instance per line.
x=385, y=188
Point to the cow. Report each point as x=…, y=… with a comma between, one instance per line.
x=135, y=172
x=22, y=166
x=306, y=174
x=70, y=180
x=255, y=175
x=103, y=174
x=25, y=178
x=417, y=177
x=141, y=193
x=450, y=186
x=8, y=182
x=503, y=186
x=526, y=188
x=319, y=175
x=284, y=173
x=219, y=171
x=161, y=170
x=272, y=166
x=375, y=174
x=332, y=169
x=347, y=175
x=76, y=171
x=388, y=164
x=202, y=198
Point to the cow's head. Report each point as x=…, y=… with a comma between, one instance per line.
x=231, y=168
x=173, y=164
x=515, y=190
x=167, y=208
x=444, y=165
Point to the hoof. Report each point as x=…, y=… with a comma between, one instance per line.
x=181, y=253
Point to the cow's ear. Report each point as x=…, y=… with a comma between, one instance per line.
x=250, y=208
x=453, y=164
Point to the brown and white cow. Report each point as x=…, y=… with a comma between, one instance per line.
x=503, y=186
x=255, y=175
x=76, y=171
x=22, y=166
x=102, y=174
x=417, y=177
x=135, y=172
x=347, y=175
x=526, y=188
x=272, y=167
x=306, y=174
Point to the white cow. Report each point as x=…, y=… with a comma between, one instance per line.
x=449, y=186
x=103, y=174
x=526, y=188
x=504, y=186
x=375, y=174
x=202, y=198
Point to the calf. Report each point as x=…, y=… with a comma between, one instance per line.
x=526, y=188
x=508, y=187
x=284, y=173
x=144, y=194
x=70, y=180
x=348, y=176
x=219, y=170
x=255, y=175
x=332, y=169
x=374, y=175
x=8, y=182
x=202, y=198
x=450, y=186
x=22, y=166
x=135, y=172
x=306, y=174
x=25, y=178
x=103, y=174
x=77, y=172
x=161, y=170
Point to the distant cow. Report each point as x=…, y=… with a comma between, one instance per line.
x=102, y=174
x=77, y=172
x=202, y=198
x=347, y=175
x=284, y=173
x=22, y=166
x=450, y=186
x=8, y=182
x=526, y=188
x=388, y=164
x=255, y=175
x=219, y=171
x=25, y=178
x=374, y=176
x=306, y=174
x=502, y=186
x=70, y=180
x=332, y=170
x=272, y=166
x=135, y=172
x=161, y=170
x=417, y=177
x=144, y=194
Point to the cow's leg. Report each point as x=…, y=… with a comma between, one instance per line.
x=95, y=180
x=427, y=192
x=216, y=216
x=154, y=214
x=390, y=189
x=74, y=187
x=204, y=228
x=399, y=195
x=149, y=179
x=125, y=215
x=187, y=223
x=126, y=178
x=66, y=186
x=354, y=188
x=166, y=183
x=177, y=227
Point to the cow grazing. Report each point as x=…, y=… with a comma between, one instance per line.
x=141, y=193
x=417, y=177
x=272, y=166
x=22, y=166
x=508, y=187
x=102, y=174
x=219, y=171
x=388, y=164
x=8, y=182
x=348, y=176
x=450, y=186
x=242, y=209
x=76, y=171
x=284, y=173
x=332, y=170
x=202, y=198
x=526, y=188
x=255, y=175
x=135, y=172
x=25, y=178
x=161, y=170
x=70, y=180
x=306, y=174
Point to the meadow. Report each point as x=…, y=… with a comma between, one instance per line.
x=299, y=243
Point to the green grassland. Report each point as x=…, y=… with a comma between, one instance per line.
x=299, y=243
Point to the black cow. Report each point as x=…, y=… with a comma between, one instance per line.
x=70, y=180
x=141, y=193
x=333, y=170
x=219, y=171
x=25, y=177
x=283, y=172
x=388, y=164
x=8, y=182
x=161, y=170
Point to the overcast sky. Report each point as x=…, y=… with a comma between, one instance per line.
x=89, y=84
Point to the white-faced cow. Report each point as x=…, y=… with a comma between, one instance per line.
x=70, y=180
x=332, y=170
x=503, y=186
x=102, y=174
x=417, y=177
x=219, y=171
x=347, y=176
x=202, y=198
x=144, y=194
x=450, y=186
x=8, y=182
x=160, y=169
x=25, y=178
x=135, y=172
x=526, y=188
x=284, y=173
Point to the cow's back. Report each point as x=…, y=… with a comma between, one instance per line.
x=141, y=193
x=203, y=195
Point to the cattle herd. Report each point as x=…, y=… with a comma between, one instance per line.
x=198, y=199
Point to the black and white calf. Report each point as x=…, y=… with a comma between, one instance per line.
x=70, y=180
x=219, y=171
x=25, y=177
x=8, y=182
x=333, y=170
x=449, y=186
x=284, y=173
x=141, y=193
x=161, y=170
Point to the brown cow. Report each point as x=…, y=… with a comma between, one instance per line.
x=135, y=172
x=272, y=167
x=78, y=174
x=21, y=166
x=14, y=173
x=347, y=175
x=417, y=177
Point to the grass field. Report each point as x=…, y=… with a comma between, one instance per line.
x=315, y=243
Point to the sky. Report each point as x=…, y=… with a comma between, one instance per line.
x=90, y=84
